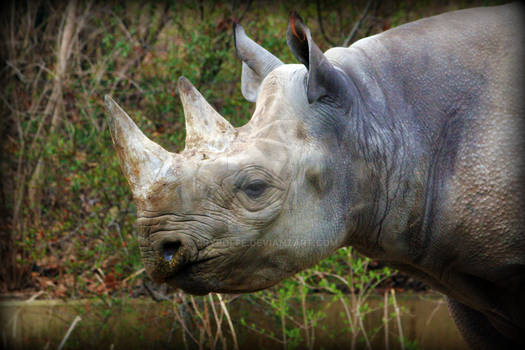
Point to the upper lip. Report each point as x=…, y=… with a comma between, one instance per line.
x=189, y=265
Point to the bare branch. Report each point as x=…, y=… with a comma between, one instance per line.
x=18, y=73
x=71, y=327
x=246, y=9
x=320, y=20
x=357, y=24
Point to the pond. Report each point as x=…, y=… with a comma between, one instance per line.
x=145, y=324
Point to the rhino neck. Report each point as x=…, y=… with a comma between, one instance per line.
x=390, y=171
x=393, y=152
x=419, y=93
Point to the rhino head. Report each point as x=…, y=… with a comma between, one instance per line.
x=239, y=209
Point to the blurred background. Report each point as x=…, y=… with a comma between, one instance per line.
x=67, y=236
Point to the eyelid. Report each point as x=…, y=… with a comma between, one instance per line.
x=256, y=182
x=252, y=173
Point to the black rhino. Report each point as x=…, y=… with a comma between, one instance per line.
x=406, y=145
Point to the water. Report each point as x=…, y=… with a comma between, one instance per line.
x=145, y=324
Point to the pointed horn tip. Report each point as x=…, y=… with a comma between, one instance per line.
x=116, y=115
x=112, y=108
x=184, y=86
x=109, y=101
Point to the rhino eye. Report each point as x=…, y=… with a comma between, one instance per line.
x=255, y=188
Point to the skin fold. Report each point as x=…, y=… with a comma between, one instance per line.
x=404, y=145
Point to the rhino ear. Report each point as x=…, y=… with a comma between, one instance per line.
x=257, y=62
x=323, y=78
x=250, y=83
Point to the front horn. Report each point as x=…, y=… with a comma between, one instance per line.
x=142, y=160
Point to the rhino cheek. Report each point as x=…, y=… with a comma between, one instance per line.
x=258, y=267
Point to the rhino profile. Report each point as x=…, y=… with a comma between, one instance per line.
x=407, y=146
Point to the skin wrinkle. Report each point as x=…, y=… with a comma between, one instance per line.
x=238, y=258
x=187, y=224
x=433, y=187
x=434, y=175
x=220, y=215
x=377, y=157
x=186, y=228
x=199, y=241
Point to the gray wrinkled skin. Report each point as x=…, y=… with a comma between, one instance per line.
x=407, y=145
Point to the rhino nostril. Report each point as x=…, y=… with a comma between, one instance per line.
x=169, y=250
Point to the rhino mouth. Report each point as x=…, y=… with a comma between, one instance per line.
x=191, y=277
x=213, y=274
